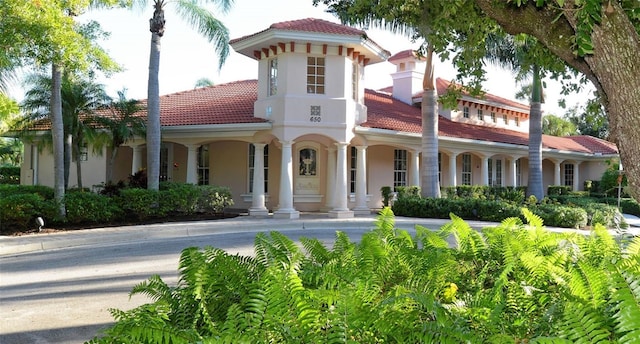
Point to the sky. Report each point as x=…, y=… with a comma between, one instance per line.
x=186, y=57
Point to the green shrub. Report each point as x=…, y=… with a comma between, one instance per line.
x=138, y=180
x=45, y=191
x=609, y=182
x=497, y=211
x=139, y=204
x=489, y=210
x=214, y=199
x=505, y=284
x=407, y=191
x=510, y=194
x=179, y=198
x=556, y=190
x=88, y=207
x=557, y=215
x=19, y=211
x=630, y=206
x=387, y=193
x=9, y=175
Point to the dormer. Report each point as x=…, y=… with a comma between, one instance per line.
x=311, y=70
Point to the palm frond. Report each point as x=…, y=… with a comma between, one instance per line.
x=207, y=25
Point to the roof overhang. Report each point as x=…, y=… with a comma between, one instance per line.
x=220, y=130
x=272, y=37
x=456, y=143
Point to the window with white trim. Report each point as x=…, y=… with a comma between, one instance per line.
x=273, y=77
x=165, y=157
x=203, y=165
x=399, y=168
x=465, y=112
x=517, y=121
x=252, y=153
x=355, y=77
x=568, y=175
x=466, y=169
x=315, y=75
x=490, y=171
x=493, y=117
x=505, y=119
x=518, y=172
x=480, y=115
x=498, y=181
x=353, y=169
x=495, y=172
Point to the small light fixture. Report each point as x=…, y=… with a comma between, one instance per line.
x=40, y=223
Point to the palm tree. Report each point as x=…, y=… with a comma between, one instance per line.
x=204, y=82
x=557, y=126
x=518, y=55
x=79, y=99
x=122, y=125
x=207, y=25
x=10, y=151
x=430, y=183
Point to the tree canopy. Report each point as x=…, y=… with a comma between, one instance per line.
x=45, y=32
x=598, y=39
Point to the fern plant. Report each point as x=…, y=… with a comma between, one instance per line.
x=512, y=283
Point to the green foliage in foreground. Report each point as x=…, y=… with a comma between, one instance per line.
x=20, y=205
x=513, y=283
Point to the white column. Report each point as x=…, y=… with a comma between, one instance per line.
x=415, y=168
x=361, y=182
x=341, y=208
x=485, y=171
x=258, y=207
x=576, y=176
x=331, y=179
x=192, y=164
x=513, y=171
x=556, y=174
x=136, y=163
x=286, y=210
x=453, y=169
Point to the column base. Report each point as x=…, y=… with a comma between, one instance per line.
x=361, y=211
x=286, y=214
x=340, y=214
x=263, y=212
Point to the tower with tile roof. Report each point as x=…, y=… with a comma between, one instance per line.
x=310, y=76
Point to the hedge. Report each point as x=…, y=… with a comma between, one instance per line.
x=555, y=215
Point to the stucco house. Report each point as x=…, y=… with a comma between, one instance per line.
x=307, y=136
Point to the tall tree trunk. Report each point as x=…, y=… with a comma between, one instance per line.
x=68, y=144
x=57, y=133
x=78, y=154
x=430, y=184
x=153, y=99
x=613, y=68
x=112, y=160
x=534, y=186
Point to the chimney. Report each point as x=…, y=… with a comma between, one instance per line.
x=407, y=79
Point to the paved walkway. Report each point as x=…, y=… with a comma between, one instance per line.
x=11, y=245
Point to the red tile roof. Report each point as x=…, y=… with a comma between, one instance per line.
x=232, y=103
x=229, y=103
x=307, y=25
x=442, y=86
x=386, y=112
x=405, y=54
